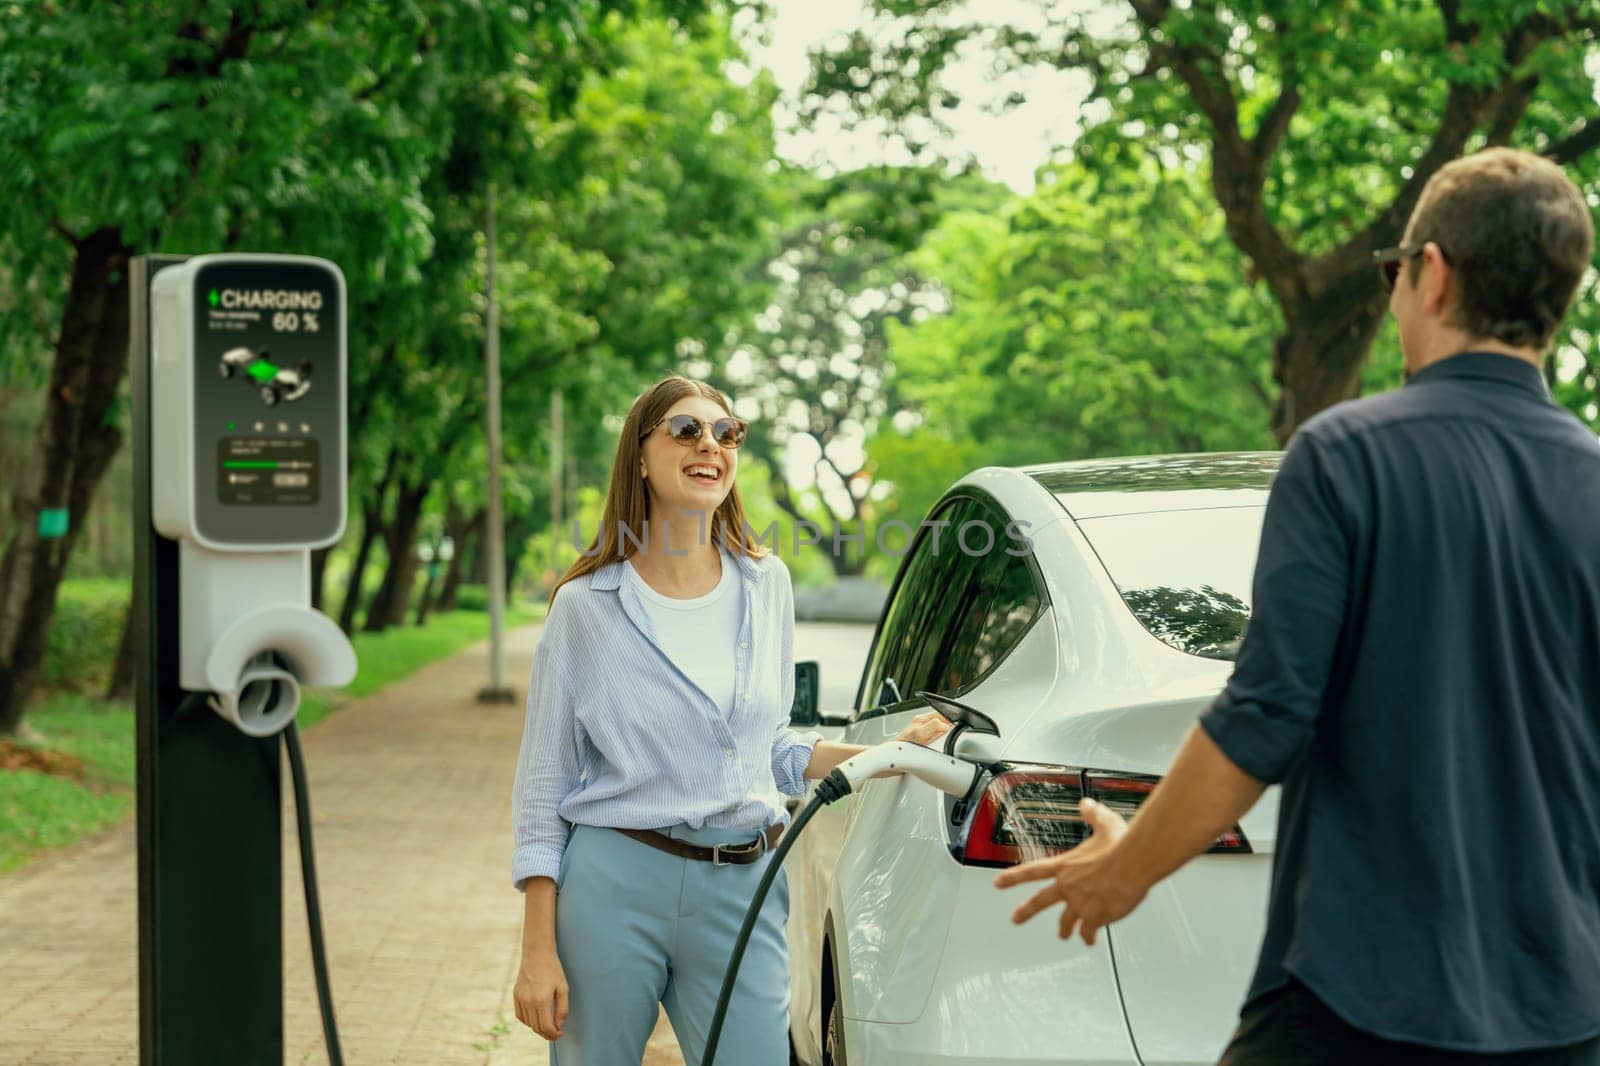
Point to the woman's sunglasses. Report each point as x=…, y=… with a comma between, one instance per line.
x=1389, y=260
x=686, y=430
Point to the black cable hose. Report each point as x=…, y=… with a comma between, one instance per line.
x=832, y=787
x=308, y=872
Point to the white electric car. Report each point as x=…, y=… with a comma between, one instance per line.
x=1093, y=653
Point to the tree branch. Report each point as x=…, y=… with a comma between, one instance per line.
x=1238, y=167
x=1466, y=109
x=1275, y=123
x=1575, y=145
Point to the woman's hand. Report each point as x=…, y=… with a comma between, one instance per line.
x=541, y=994
x=925, y=729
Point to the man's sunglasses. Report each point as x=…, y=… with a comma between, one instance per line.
x=686, y=430
x=1389, y=260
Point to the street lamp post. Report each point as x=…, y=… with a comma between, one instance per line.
x=494, y=530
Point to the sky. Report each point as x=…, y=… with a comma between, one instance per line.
x=1009, y=146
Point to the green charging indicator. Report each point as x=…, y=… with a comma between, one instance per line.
x=238, y=464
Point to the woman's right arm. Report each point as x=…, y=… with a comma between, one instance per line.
x=547, y=772
x=541, y=991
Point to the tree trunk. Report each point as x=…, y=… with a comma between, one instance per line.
x=425, y=601
x=388, y=606
x=319, y=571
x=120, y=686
x=478, y=570
x=77, y=439
x=1317, y=360
x=465, y=540
x=519, y=530
x=371, y=522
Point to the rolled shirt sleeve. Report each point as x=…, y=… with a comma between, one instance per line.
x=1264, y=718
x=547, y=769
x=791, y=750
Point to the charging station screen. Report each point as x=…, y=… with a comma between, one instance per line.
x=269, y=402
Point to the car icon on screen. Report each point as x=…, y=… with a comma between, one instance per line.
x=287, y=385
x=235, y=360
x=276, y=384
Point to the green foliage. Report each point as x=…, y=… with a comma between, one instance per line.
x=39, y=811
x=84, y=632
x=1574, y=369
x=472, y=598
x=628, y=212
x=812, y=368
x=1102, y=315
x=917, y=466
x=1318, y=121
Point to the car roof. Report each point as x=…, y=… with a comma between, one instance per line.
x=1097, y=488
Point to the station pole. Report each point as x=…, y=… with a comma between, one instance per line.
x=209, y=810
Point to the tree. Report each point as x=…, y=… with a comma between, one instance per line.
x=813, y=366
x=284, y=123
x=1098, y=316
x=628, y=212
x=1319, y=122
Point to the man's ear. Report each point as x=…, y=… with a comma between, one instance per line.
x=1435, y=280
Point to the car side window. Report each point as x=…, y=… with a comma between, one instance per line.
x=954, y=613
x=1011, y=609
x=900, y=638
x=957, y=612
x=999, y=601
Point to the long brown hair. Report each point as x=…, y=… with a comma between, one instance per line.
x=627, y=501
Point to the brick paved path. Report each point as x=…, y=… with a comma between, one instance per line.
x=410, y=790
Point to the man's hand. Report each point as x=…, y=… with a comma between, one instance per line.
x=1087, y=879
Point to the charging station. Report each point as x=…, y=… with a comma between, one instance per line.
x=238, y=368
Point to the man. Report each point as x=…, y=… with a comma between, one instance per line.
x=1422, y=675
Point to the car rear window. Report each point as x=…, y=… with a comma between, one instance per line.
x=1184, y=574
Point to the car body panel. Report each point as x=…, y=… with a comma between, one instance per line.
x=1186, y=956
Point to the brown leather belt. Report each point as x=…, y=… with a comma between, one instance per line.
x=717, y=854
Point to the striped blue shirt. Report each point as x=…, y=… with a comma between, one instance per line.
x=617, y=736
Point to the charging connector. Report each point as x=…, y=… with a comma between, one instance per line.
x=947, y=773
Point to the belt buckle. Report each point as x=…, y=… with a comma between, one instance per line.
x=759, y=846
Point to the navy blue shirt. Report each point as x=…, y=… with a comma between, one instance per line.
x=1422, y=673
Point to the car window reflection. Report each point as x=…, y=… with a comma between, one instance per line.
x=1185, y=575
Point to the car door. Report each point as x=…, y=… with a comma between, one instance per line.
x=895, y=888
x=906, y=653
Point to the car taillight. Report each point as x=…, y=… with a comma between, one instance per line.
x=1029, y=812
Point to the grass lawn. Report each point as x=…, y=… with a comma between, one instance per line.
x=91, y=742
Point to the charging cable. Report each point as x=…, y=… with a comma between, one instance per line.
x=944, y=772
x=308, y=874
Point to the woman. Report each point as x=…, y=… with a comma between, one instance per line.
x=655, y=749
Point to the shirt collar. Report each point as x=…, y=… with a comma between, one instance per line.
x=609, y=576
x=1486, y=366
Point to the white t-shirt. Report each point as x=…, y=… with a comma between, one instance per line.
x=699, y=635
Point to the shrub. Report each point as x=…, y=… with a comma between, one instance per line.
x=84, y=630
x=472, y=598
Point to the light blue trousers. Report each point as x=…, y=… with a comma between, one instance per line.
x=637, y=927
